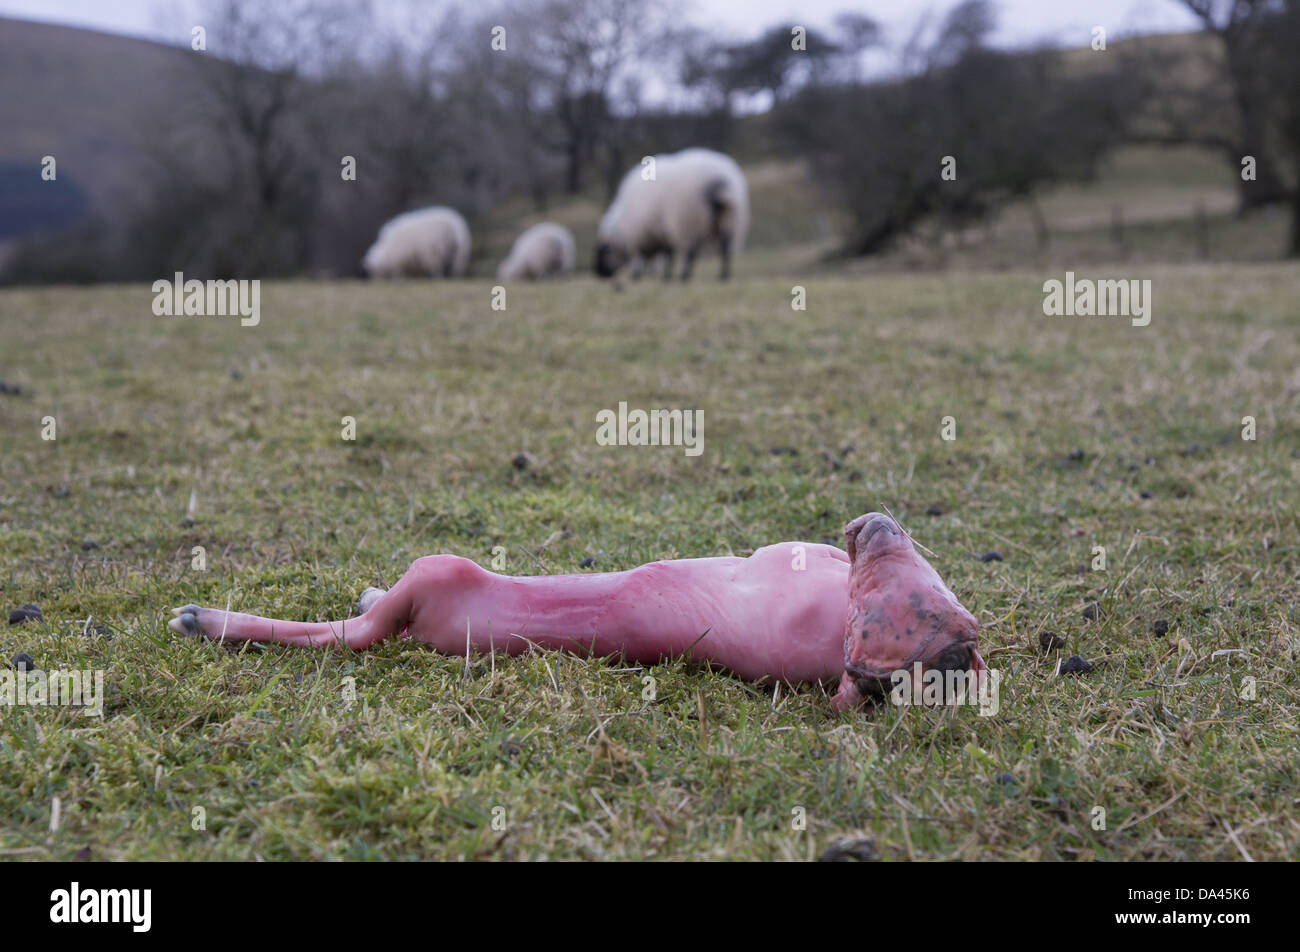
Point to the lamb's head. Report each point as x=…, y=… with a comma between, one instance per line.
x=900, y=614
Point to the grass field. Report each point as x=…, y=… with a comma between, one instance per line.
x=1071, y=433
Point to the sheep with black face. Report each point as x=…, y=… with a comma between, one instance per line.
x=675, y=207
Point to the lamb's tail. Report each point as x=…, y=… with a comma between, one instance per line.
x=389, y=615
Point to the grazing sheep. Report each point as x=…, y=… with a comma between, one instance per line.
x=542, y=251
x=429, y=241
x=696, y=196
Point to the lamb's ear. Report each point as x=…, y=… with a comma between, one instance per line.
x=851, y=535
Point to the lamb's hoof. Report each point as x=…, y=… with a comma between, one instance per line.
x=368, y=598
x=185, y=620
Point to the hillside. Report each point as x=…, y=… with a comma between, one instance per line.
x=91, y=100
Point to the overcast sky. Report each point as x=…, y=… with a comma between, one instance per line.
x=1021, y=21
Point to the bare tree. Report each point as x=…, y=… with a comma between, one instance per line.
x=581, y=53
x=247, y=160
x=1283, y=67
x=1249, y=32
x=1010, y=122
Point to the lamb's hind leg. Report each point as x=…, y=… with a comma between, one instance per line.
x=422, y=605
x=385, y=614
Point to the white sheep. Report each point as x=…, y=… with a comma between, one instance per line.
x=542, y=251
x=695, y=196
x=429, y=241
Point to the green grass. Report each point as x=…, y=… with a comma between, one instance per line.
x=1062, y=424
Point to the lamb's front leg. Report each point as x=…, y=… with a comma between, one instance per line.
x=368, y=597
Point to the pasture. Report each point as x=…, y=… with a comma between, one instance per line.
x=475, y=429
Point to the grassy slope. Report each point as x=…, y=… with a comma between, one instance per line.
x=446, y=391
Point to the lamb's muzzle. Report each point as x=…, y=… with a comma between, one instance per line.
x=900, y=614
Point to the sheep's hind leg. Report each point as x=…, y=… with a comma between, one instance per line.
x=724, y=251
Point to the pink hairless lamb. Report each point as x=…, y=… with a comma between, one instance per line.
x=793, y=612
